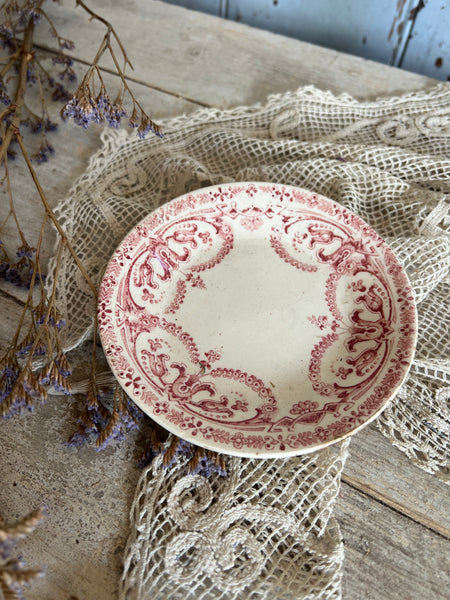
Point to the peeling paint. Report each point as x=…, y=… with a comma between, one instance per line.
x=397, y=18
x=399, y=33
x=415, y=11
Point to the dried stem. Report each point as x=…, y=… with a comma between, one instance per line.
x=11, y=202
x=27, y=56
x=52, y=215
x=9, y=64
x=110, y=29
x=33, y=279
x=50, y=306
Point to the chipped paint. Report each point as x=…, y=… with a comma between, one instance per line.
x=385, y=31
x=398, y=17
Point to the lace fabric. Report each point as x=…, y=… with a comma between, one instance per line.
x=385, y=160
x=265, y=531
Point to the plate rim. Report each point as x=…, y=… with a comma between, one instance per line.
x=255, y=452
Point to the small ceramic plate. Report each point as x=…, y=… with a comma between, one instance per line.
x=257, y=319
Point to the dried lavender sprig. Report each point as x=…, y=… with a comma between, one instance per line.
x=84, y=107
x=13, y=573
x=112, y=431
x=30, y=387
x=199, y=461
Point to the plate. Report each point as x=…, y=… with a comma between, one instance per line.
x=257, y=319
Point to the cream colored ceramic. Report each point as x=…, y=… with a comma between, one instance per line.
x=257, y=319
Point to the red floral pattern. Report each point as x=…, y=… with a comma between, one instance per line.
x=361, y=358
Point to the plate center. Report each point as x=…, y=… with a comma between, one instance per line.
x=254, y=309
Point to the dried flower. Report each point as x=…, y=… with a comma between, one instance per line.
x=24, y=380
x=45, y=149
x=112, y=431
x=13, y=572
x=199, y=461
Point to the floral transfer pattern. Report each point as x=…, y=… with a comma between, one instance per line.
x=359, y=357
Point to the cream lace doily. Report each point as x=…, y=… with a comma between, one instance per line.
x=388, y=162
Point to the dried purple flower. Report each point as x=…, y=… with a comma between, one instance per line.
x=7, y=40
x=13, y=574
x=114, y=114
x=25, y=250
x=31, y=73
x=93, y=420
x=60, y=92
x=200, y=461
x=68, y=71
x=55, y=374
x=65, y=44
x=50, y=126
x=6, y=31
x=63, y=364
x=62, y=59
x=83, y=110
x=146, y=125
x=30, y=12
x=112, y=431
x=45, y=149
x=19, y=273
x=4, y=98
x=131, y=415
x=11, y=154
x=9, y=373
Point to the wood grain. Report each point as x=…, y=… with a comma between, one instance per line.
x=378, y=469
x=387, y=555
x=393, y=515
x=221, y=63
x=88, y=494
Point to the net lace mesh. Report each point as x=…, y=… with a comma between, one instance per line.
x=385, y=160
x=265, y=531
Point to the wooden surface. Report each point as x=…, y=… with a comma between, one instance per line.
x=394, y=517
x=408, y=34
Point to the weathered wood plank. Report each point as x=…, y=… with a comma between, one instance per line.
x=380, y=470
x=88, y=532
x=375, y=466
x=87, y=495
x=222, y=63
x=73, y=148
x=388, y=556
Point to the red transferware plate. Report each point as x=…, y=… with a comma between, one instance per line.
x=257, y=319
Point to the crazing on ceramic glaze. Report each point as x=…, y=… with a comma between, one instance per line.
x=257, y=319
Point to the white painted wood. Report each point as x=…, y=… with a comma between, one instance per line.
x=384, y=31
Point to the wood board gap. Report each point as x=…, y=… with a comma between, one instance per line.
x=417, y=517
x=5, y=294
